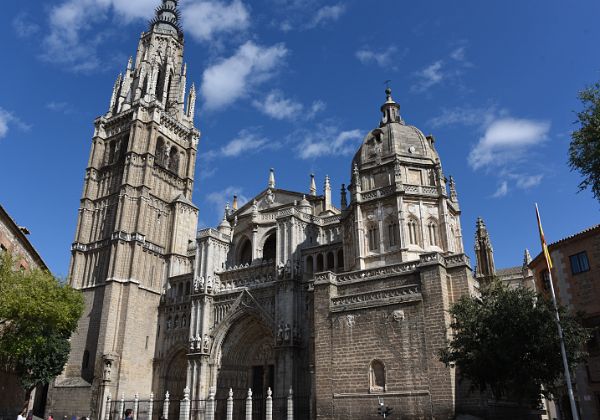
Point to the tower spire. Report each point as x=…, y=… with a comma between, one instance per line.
x=390, y=110
x=344, y=199
x=313, y=186
x=166, y=18
x=327, y=193
x=271, y=178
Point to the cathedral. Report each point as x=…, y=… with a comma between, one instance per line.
x=343, y=305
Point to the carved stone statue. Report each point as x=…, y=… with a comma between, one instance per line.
x=280, y=334
x=107, y=369
x=270, y=198
x=286, y=333
x=206, y=343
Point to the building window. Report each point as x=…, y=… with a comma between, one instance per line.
x=413, y=232
x=373, y=238
x=376, y=376
x=579, y=263
x=545, y=277
x=393, y=234
x=433, y=236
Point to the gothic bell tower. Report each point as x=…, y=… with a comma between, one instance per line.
x=135, y=222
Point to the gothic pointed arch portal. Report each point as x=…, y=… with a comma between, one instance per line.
x=174, y=380
x=247, y=361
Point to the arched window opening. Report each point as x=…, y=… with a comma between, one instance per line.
x=180, y=289
x=270, y=247
x=168, y=92
x=373, y=238
x=85, y=362
x=393, y=234
x=110, y=155
x=433, y=235
x=413, y=232
x=340, y=259
x=188, y=288
x=159, y=153
x=245, y=255
x=320, y=265
x=174, y=160
x=330, y=261
x=160, y=83
x=377, y=376
x=176, y=322
x=309, y=264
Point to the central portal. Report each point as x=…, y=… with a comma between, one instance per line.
x=247, y=362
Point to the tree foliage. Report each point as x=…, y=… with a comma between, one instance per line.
x=506, y=341
x=37, y=317
x=584, y=150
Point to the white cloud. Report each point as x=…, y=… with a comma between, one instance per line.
x=232, y=78
x=275, y=105
x=382, y=58
x=458, y=54
x=327, y=13
x=329, y=142
x=278, y=107
x=74, y=35
x=526, y=182
x=219, y=198
x=8, y=119
x=468, y=116
x=429, y=76
x=505, y=140
x=502, y=190
x=24, y=27
x=246, y=141
x=205, y=19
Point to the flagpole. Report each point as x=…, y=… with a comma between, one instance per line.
x=563, y=350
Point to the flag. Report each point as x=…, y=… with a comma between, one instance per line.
x=542, y=239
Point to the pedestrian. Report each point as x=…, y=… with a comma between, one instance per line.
x=21, y=415
x=129, y=414
x=30, y=415
x=50, y=417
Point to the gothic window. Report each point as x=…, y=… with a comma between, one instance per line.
x=320, y=265
x=377, y=376
x=309, y=264
x=330, y=261
x=340, y=259
x=393, y=234
x=174, y=160
x=432, y=231
x=176, y=322
x=413, y=232
x=188, y=288
x=110, y=153
x=373, y=238
x=270, y=247
x=159, y=154
x=245, y=253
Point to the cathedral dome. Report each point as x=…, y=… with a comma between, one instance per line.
x=394, y=137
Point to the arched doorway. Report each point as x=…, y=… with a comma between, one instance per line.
x=246, y=362
x=175, y=380
x=270, y=247
x=244, y=252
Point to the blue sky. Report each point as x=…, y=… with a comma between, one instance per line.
x=494, y=82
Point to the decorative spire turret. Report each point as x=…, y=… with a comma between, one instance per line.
x=167, y=18
x=327, y=193
x=390, y=110
x=235, y=203
x=271, y=178
x=452, y=185
x=343, y=199
x=313, y=186
x=484, y=252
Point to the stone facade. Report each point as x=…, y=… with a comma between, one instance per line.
x=343, y=305
x=576, y=261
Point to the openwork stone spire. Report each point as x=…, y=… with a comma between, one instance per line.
x=484, y=252
x=167, y=18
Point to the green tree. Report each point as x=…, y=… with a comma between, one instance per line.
x=38, y=314
x=506, y=341
x=584, y=150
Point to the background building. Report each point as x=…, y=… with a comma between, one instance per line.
x=13, y=239
x=576, y=275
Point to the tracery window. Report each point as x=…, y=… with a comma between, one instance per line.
x=433, y=233
x=373, y=238
x=377, y=376
x=413, y=232
x=159, y=153
x=393, y=234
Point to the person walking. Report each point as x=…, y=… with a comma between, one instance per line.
x=22, y=414
x=129, y=414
